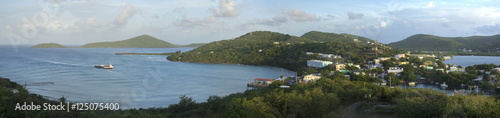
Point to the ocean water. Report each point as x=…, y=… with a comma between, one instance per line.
x=473, y=60
x=137, y=81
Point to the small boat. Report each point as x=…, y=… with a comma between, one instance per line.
x=444, y=85
x=411, y=83
x=104, y=66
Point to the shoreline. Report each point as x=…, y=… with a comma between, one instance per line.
x=133, y=53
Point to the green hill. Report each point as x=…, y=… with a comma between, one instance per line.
x=195, y=45
x=273, y=49
x=48, y=45
x=143, y=41
x=346, y=38
x=437, y=43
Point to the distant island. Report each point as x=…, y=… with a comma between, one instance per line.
x=143, y=41
x=425, y=42
x=48, y=45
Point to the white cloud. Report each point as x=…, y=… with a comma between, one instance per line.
x=275, y=21
x=194, y=22
x=299, y=15
x=488, y=29
x=91, y=20
x=226, y=9
x=430, y=5
x=383, y=24
x=126, y=14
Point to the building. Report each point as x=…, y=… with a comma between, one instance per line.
x=430, y=67
x=354, y=65
x=398, y=56
x=318, y=63
x=339, y=67
x=260, y=82
x=403, y=63
x=263, y=81
x=395, y=70
x=311, y=77
x=495, y=69
x=422, y=56
x=453, y=69
x=440, y=69
x=376, y=61
x=330, y=56
x=309, y=53
x=384, y=58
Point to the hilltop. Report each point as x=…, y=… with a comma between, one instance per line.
x=437, y=43
x=48, y=45
x=345, y=38
x=143, y=41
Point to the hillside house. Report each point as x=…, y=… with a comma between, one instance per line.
x=339, y=67
x=395, y=70
x=311, y=77
x=403, y=63
x=318, y=63
x=398, y=56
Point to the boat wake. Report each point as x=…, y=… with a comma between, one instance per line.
x=61, y=63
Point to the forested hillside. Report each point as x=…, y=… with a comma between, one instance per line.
x=437, y=43
x=275, y=49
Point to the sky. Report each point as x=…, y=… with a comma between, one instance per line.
x=77, y=22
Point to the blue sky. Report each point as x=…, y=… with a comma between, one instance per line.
x=76, y=22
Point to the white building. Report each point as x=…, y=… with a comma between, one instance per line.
x=331, y=56
x=398, y=56
x=318, y=63
x=311, y=77
x=383, y=58
x=309, y=53
x=395, y=70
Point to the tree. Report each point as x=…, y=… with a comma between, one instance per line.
x=441, y=64
x=387, y=64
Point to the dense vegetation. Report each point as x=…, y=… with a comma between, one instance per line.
x=195, y=45
x=276, y=49
x=345, y=38
x=143, y=41
x=437, y=43
x=48, y=45
x=132, y=53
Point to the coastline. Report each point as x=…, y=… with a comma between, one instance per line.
x=133, y=53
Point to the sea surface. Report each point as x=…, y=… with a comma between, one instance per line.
x=137, y=81
x=473, y=60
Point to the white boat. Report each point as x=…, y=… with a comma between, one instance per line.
x=444, y=85
x=104, y=66
x=411, y=83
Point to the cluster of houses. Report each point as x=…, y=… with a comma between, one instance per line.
x=372, y=64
